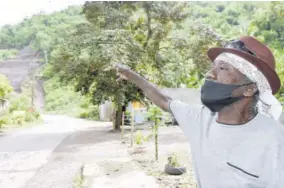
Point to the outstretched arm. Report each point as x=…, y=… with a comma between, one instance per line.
x=151, y=91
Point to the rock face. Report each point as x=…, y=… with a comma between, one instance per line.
x=20, y=69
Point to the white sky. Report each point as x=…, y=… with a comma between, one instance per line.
x=14, y=11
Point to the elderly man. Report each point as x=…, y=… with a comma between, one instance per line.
x=235, y=139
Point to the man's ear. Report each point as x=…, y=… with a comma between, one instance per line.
x=250, y=90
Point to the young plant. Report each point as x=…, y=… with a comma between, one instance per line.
x=139, y=138
x=173, y=160
x=154, y=114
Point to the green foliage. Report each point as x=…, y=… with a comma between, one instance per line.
x=5, y=87
x=20, y=103
x=231, y=19
x=19, y=111
x=3, y=121
x=41, y=30
x=61, y=99
x=90, y=112
x=18, y=117
x=268, y=25
x=8, y=54
x=173, y=160
x=79, y=179
x=139, y=138
x=154, y=113
x=129, y=32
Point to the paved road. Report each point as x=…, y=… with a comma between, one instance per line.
x=23, y=152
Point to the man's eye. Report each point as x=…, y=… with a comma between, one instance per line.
x=223, y=68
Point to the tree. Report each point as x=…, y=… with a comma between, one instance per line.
x=268, y=25
x=116, y=34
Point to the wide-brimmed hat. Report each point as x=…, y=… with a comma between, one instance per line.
x=259, y=55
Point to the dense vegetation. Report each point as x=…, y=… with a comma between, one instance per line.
x=20, y=110
x=166, y=42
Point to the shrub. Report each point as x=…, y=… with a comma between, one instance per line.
x=62, y=99
x=5, y=87
x=90, y=112
x=18, y=117
x=139, y=138
x=3, y=121
x=19, y=111
x=21, y=102
x=7, y=54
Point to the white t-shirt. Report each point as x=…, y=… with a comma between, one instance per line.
x=232, y=156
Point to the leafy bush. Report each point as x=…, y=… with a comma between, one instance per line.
x=19, y=111
x=90, y=112
x=139, y=138
x=62, y=99
x=3, y=121
x=21, y=103
x=18, y=117
x=5, y=87
x=7, y=54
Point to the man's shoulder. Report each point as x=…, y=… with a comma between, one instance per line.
x=186, y=113
x=270, y=127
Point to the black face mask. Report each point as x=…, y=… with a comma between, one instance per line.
x=216, y=96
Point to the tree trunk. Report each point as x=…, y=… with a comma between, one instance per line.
x=118, y=119
x=122, y=126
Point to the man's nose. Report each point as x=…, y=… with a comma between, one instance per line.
x=211, y=75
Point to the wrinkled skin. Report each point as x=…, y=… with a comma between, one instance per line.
x=239, y=112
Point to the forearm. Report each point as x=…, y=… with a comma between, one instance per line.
x=151, y=91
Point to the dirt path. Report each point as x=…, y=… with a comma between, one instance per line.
x=171, y=140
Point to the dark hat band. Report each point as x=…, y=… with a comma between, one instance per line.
x=238, y=45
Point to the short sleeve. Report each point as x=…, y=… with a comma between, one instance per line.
x=188, y=116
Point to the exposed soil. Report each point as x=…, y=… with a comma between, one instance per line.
x=171, y=140
x=21, y=69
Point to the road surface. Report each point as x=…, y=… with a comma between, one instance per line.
x=23, y=152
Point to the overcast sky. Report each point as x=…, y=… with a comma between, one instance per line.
x=14, y=11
